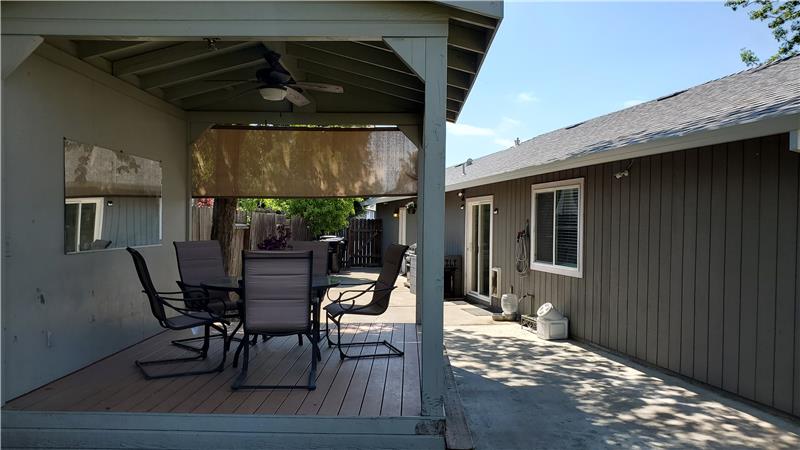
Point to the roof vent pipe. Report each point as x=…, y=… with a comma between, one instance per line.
x=468, y=162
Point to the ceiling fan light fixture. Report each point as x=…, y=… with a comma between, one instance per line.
x=273, y=94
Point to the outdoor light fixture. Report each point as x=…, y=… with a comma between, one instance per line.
x=624, y=172
x=461, y=194
x=110, y=203
x=273, y=94
x=496, y=211
x=396, y=213
x=462, y=206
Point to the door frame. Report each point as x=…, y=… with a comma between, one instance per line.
x=482, y=200
x=402, y=223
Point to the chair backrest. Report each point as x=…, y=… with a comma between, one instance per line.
x=147, y=285
x=392, y=261
x=277, y=292
x=199, y=261
x=320, y=251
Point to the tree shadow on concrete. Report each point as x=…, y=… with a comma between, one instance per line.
x=523, y=392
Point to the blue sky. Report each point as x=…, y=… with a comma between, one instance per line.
x=555, y=64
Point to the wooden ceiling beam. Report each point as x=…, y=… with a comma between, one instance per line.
x=403, y=80
x=94, y=49
x=363, y=53
x=218, y=96
x=173, y=56
x=466, y=38
x=459, y=79
x=203, y=86
x=249, y=57
x=462, y=60
x=456, y=94
x=362, y=81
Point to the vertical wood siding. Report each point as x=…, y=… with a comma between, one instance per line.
x=131, y=221
x=691, y=263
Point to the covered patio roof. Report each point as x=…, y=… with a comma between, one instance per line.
x=409, y=65
x=216, y=72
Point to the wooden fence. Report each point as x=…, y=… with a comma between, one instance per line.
x=363, y=242
x=262, y=225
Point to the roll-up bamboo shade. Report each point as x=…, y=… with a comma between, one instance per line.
x=238, y=162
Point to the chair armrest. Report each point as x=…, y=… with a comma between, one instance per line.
x=358, y=284
x=353, y=306
x=188, y=312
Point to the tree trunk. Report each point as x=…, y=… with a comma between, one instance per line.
x=222, y=227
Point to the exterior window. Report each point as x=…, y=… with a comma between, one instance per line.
x=83, y=219
x=557, y=217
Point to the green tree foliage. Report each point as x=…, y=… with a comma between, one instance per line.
x=782, y=17
x=322, y=215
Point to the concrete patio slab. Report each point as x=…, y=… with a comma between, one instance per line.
x=521, y=392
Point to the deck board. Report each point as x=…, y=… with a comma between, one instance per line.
x=367, y=387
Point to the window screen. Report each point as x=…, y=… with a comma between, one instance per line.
x=566, y=251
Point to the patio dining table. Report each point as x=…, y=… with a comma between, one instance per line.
x=319, y=283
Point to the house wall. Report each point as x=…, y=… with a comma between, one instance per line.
x=61, y=312
x=454, y=224
x=691, y=263
x=391, y=225
x=131, y=221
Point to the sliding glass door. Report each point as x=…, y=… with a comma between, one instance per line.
x=478, y=242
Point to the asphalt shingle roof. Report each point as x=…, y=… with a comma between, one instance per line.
x=755, y=94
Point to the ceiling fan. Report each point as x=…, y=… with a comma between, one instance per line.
x=276, y=83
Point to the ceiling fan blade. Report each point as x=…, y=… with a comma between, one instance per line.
x=230, y=81
x=321, y=87
x=295, y=97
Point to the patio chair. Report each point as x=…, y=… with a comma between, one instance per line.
x=185, y=319
x=320, y=264
x=200, y=261
x=381, y=291
x=320, y=250
x=277, y=301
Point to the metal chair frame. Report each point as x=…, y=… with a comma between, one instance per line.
x=158, y=302
x=227, y=314
x=239, y=382
x=353, y=308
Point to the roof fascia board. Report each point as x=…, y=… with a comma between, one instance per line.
x=239, y=20
x=292, y=118
x=58, y=56
x=484, y=8
x=737, y=132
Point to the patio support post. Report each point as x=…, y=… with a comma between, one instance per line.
x=430, y=225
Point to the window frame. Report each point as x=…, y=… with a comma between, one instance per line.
x=576, y=272
x=98, y=219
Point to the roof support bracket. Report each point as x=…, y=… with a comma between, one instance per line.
x=16, y=49
x=411, y=51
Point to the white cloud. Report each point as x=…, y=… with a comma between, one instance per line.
x=462, y=129
x=507, y=123
x=526, y=97
x=505, y=143
x=498, y=133
x=629, y=103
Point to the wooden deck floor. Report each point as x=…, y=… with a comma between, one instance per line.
x=370, y=387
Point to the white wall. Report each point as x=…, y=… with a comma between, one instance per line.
x=90, y=304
